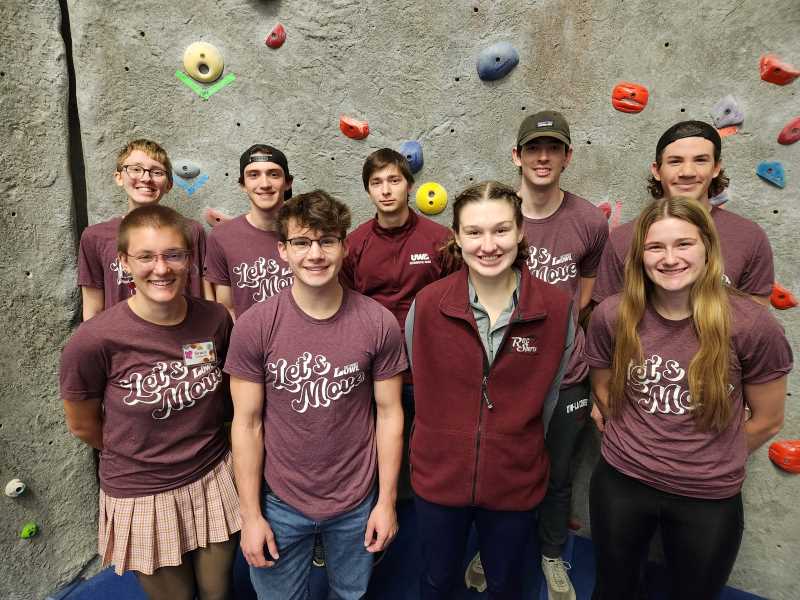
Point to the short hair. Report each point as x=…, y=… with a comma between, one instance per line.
x=152, y=149
x=156, y=216
x=315, y=210
x=383, y=158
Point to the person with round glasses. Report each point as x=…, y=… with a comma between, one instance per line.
x=144, y=172
x=142, y=382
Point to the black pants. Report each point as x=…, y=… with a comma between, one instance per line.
x=701, y=537
x=569, y=417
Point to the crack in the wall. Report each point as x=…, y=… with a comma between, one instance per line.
x=77, y=167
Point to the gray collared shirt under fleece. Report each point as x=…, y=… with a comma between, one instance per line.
x=492, y=336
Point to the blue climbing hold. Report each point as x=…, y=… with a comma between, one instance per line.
x=720, y=198
x=412, y=150
x=497, y=60
x=771, y=172
x=727, y=112
x=185, y=169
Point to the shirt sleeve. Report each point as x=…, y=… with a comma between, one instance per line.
x=551, y=399
x=246, y=352
x=610, y=274
x=765, y=353
x=760, y=272
x=216, y=265
x=84, y=367
x=599, y=349
x=90, y=268
x=390, y=357
x=591, y=260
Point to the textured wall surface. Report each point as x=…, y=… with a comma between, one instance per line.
x=409, y=69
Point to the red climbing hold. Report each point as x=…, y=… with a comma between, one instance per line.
x=606, y=208
x=214, y=217
x=786, y=455
x=276, y=37
x=776, y=71
x=729, y=130
x=629, y=97
x=353, y=128
x=791, y=133
x=781, y=298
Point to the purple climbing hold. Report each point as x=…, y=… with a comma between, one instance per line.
x=412, y=150
x=727, y=112
x=771, y=172
x=497, y=60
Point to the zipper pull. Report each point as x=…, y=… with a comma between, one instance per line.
x=485, y=391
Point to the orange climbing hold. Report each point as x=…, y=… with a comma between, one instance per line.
x=629, y=97
x=781, y=298
x=214, y=217
x=353, y=128
x=777, y=72
x=726, y=131
x=786, y=455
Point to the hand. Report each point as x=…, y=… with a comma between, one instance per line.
x=598, y=419
x=381, y=527
x=254, y=535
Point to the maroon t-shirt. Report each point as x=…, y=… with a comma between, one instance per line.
x=745, y=251
x=319, y=431
x=163, y=391
x=564, y=247
x=99, y=266
x=245, y=258
x=654, y=438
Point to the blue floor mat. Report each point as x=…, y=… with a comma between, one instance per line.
x=396, y=577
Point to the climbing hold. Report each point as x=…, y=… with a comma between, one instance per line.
x=276, y=37
x=203, y=62
x=786, y=455
x=775, y=71
x=606, y=208
x=214, y=217
x=727, y=112
x=790, y=133
x=15, y=488
x=781, y=298
x=726, y=131
x=629, y=97
x=412, y=150
x=720, y=198
x=431, y=198
x=353, y=128
x=185, y=169
x=496, y=61
x=190, y=187
x=29, y=530
x=771, y=172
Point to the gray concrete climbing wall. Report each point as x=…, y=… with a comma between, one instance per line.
x=406, y=67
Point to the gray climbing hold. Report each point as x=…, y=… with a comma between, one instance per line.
x=185, y=169
x=771, y=172
x=727, y=112
x=720, y=198
x=496, y=61
x=412, y=150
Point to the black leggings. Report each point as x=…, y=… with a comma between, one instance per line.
x=701, y=537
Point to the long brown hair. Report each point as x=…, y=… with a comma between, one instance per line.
x=481, y=192
x=708, y=369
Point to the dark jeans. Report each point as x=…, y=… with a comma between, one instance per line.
x=570, y=415
x=701, y=537
x=502, y=540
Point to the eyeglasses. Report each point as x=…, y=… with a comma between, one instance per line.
x=301, y=245
x=137, y=172
x=174, y=259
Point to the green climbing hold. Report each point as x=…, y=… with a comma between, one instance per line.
x=29, y=530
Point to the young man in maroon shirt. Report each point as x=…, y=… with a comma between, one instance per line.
x=393, y=256
x=242, y=260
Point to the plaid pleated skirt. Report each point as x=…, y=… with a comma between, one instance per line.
x=146, y=533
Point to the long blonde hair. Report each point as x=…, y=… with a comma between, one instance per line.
x=708, y=369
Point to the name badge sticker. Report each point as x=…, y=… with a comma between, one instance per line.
x=199, y=353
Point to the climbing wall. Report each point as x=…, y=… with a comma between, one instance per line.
x=328, y=82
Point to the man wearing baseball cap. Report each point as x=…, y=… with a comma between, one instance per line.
x=242, y=260
x=566, y=235
x=688, y=163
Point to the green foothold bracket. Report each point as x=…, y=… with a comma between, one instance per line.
x=204, y=92
x=29, y=530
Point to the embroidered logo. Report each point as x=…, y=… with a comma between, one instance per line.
x=525, y=345
x=420, y=258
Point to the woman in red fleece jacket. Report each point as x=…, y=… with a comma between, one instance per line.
x=488, y=345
